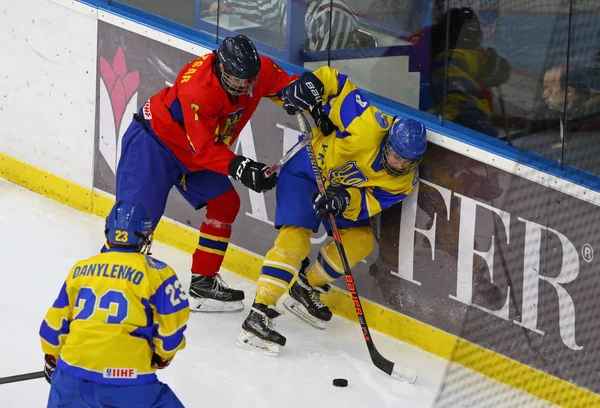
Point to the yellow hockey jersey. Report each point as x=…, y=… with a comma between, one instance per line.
x=455, y=86
x=351, y=156
x=114, y=311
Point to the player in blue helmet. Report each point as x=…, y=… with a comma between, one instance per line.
x=369, y=161
x=129, y=225
x=404, y=147
x=128, y=302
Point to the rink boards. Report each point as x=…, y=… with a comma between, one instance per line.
x=489, y=264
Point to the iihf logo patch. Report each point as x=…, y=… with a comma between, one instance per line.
x=120, y=373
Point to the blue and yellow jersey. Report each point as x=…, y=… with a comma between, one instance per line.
x=351, y=155
x=113, y=312
x=460, y=92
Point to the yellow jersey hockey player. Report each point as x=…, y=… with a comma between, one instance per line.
x=369, y=161
x=119, y=316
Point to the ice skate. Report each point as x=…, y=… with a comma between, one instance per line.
x=305, y=301
x=258, y=330
x=211, y=294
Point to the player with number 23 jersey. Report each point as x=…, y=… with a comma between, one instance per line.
x=119, y=316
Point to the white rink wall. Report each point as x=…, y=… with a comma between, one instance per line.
x=48, y=85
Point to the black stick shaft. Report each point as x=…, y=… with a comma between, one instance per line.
x=21, y=377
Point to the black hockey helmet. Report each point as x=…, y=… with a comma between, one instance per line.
x=464, y=28
x=240, y=65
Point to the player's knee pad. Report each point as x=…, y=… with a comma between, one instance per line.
x=291, y=246
x=224, y=208
x=295, y=239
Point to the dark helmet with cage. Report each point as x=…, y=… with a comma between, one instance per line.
x=129, y=226
x=464, y=29
x=238, y=65
x=404, y=147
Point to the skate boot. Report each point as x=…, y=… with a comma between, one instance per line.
x=211, y=294
x=258, y=330
x=305, y=301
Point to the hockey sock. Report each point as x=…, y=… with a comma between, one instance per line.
x=358, y=244
x=215, y=233
x=282, y=263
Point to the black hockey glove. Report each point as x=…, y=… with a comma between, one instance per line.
x=496, y=69
x=322, y=120
x=251, y=174
x=49, y=367
x=335, y=202
x=303, y=94
x=159, y=363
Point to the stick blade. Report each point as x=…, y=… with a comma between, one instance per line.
x=404, y=374
x=394, y=370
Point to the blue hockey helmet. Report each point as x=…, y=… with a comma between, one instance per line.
x=406, y=141
x=129, y=225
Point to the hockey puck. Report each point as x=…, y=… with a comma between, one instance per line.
x=340, y=382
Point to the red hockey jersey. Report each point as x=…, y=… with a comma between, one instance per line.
x=197, y=120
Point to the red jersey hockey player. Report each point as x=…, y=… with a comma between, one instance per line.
x=182, y=137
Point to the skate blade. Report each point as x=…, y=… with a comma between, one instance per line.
x=250, y=341
x=299, y=310
x=206, y=305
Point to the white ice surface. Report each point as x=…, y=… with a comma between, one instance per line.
x=40, y=240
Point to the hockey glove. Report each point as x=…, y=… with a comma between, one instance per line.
x=159, y=363
x=335, y=201
x=251, y=174
x=322, y=120
x=303, y=94
x=49, y=367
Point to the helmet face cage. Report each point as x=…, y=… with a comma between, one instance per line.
x=236, y=86
x=146, y=244
x=387, y=150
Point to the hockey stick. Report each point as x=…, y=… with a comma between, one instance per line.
x=21, y=377
x=291, y=153
x=385, y=365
